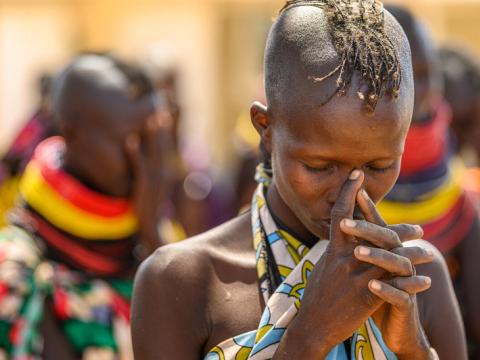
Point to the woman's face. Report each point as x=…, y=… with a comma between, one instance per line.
x=315, y=149
x=96, y=146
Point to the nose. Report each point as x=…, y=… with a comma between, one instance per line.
x=336, y=184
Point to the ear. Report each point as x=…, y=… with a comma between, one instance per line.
x=262, y=123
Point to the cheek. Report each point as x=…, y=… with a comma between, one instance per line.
x=380, y=185
x=297, y=186
x=112, y=157
x=117, y=161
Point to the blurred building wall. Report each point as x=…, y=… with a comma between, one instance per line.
x=33, y=38
x=216, y=44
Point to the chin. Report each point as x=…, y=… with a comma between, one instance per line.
x=323, y=233
x=321, y=229
x=120, y=190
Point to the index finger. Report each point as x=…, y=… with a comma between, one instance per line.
x=345, y=205
x=369, y=209
x=404, y=231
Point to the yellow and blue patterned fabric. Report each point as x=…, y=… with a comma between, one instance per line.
x=293, y=263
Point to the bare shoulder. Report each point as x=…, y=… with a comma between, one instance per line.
x=189, y=261
x=172, y=290
x=437, y=268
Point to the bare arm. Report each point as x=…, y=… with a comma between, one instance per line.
x=168, y=316
x=439, y=310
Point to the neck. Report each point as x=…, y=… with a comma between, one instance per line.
x=282, y=213
x=71, y=167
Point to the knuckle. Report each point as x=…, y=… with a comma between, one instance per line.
x=406, y=300
x=400, y=250
x=407, y=267
x=403, y=230
x=395, y=283
x=362, y=226
x=424, y=252
x=395, y=237
x=349, y=266
x=338, y=212
x=390, y=236
x=342, y=261
x=413, y=254
x=358, y=284
x=411, y=230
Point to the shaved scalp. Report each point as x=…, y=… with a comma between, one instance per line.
x=321, y=40
x=96, y=81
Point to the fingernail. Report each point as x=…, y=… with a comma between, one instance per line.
x=430, y=253
x=363, y=251
x=349, y=223
x=428, y=281
x=355, y=174
x=375, y=285
x=419, y=228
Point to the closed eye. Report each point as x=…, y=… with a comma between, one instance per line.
x=380, y=169
x=317, y=170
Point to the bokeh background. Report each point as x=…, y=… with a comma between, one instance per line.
x=214, y=46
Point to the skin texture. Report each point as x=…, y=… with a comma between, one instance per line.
x=191, y=296
x=115, y=144
x=427, y=78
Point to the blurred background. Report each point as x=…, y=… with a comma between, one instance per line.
x=206, y=57
x=214, y=47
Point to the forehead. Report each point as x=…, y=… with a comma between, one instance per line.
x=342, y=128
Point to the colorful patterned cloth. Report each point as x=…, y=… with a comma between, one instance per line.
x=68, y=204
x=82, y=228
x=93, y=313
x=69, y=248
x=285, y=260
x=38, y=128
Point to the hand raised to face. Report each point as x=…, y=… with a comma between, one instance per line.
x=344, y=279
x=150, y=155
x=401, y=326
x=337, y=282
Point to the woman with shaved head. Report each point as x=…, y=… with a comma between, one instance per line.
x=89, y=201
x=312, y=271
